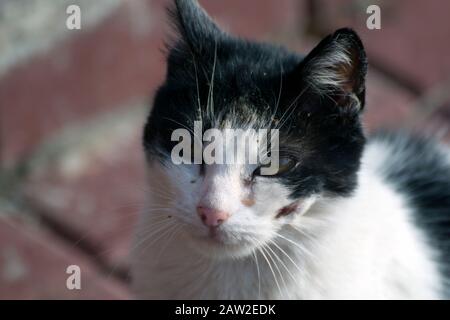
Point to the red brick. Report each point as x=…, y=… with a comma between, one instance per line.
x=98, y=197
x=257, y=19
x=387, y=104
x=413, y=41
x=90, y=72
x=33, y=265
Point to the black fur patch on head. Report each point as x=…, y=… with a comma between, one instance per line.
x=315, y=101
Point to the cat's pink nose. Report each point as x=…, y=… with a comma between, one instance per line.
x=212, y=217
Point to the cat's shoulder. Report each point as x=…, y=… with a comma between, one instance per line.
x=418, y=167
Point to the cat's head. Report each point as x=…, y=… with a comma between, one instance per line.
x=223, y=82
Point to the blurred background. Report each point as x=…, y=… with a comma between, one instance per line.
x=73, y=103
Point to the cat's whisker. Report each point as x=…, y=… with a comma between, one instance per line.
x=161, y=231
x=152, y=209
x=156, y=218
x=134, y=247
x=197, y=86
x=271, y=252
x=114, y=216
x=302, y=248
x=199, y=139
x=302, y=232
x=260, y=249
x=145, y=233
x=175, y=231
x=163, y=193
x=147, y=237
x=210, y=102
x=271, y=269
x=289, y=257
x=161, y=236
x=308, y=236
x=279, y=94
x=156, y=223
x=255, y=257
x=277, y=269
x=286, y=116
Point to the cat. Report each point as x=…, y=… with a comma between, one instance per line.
x=344, y=216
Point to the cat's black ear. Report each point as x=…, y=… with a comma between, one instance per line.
x=196, y=28
x=337, y=68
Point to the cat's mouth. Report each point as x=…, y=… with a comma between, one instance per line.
x=219, y=243
x=214, y=236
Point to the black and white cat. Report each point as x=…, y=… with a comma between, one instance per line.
x=343, y=217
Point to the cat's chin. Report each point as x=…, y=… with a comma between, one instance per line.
x=217, y=249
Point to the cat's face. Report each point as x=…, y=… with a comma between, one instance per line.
x=229, y=209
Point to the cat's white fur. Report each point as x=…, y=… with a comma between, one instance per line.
x=323, y=73
x=364, y=246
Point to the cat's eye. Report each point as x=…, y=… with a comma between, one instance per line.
x=285, y=165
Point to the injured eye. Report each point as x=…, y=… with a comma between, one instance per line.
x=285, y=165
